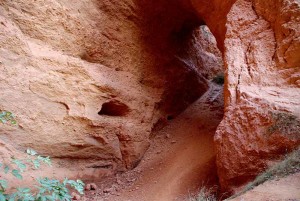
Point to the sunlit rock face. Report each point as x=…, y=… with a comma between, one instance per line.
x=88, y=80
x=262, y=94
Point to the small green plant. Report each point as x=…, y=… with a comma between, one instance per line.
x=219, y=79
x=47, y=189
x=284, y=123
x=204, y=195
x=7, y=117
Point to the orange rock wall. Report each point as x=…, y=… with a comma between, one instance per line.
x=262, y=89
x=61, y=61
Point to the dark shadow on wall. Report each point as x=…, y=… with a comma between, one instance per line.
x=166, y=29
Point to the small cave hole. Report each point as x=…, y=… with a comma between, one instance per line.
x=114, y=108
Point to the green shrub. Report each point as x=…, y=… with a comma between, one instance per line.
x=7, y=117
x=46, y=189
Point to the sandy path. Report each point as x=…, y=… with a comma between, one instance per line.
x=182, y=156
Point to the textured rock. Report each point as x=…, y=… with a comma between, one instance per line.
x=201, y=53
x=57, y=96
x=88, y=80
x=214, y=14
x=262, y=89
x=142, y=61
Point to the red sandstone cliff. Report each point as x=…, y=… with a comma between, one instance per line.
x=61, y=61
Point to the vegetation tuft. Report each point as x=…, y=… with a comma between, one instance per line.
x=46, y=189
x=204, y=195
x=7, y=117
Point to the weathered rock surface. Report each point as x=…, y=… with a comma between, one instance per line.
x=142, y=61
x=262, y=94
x=88, y=80
x=56, y=95
x=214, y=14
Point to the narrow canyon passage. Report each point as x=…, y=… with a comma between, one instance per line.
x=180, y=160
x=119, y=93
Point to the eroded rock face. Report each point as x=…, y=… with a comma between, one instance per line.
x=61, y=62
x=88, y=80
x=262, y=89
x=50, y=80
x=214, y=14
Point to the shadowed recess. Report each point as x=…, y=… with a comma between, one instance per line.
x=114, y=108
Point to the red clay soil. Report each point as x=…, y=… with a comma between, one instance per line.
x=180, y=160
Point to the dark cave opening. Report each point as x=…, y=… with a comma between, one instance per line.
x=188, y=61
x=114, y=108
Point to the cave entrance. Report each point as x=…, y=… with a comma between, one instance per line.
x=196, y=65
x=185, y=54
x=192, y=107
x=189, y=67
